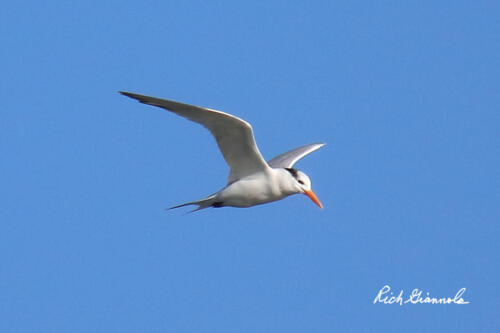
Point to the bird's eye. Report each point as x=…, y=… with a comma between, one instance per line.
x=301, y=182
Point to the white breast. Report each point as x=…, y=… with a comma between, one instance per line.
x=254, y=190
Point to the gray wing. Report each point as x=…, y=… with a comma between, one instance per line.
x=234, y=136
x=288, y=159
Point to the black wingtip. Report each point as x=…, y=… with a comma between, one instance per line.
x=126, y=94
x=137, y=97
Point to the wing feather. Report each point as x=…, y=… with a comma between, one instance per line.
x=288, y=159
x=234, y=136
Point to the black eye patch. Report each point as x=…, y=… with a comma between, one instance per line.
x=301, y=182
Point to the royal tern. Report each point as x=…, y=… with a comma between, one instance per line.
x=252, y=181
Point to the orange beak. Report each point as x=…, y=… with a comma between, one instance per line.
x=314, y=198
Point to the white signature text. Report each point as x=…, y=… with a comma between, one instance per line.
x=386, y=296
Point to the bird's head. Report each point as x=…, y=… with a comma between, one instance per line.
x=302, y=184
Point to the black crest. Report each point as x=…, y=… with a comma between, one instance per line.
x=293, y=172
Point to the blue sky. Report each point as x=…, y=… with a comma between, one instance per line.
x=404, y=93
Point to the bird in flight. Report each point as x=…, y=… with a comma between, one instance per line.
x=252, y=181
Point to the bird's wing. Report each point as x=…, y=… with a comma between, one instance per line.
x=234, y=136
x=288, y=159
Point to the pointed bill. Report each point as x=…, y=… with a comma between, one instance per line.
x=314, y=198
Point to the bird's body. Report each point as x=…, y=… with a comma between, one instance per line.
x=259, y=188
x=252, y=181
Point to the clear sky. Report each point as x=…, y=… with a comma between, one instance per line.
x=406, y=95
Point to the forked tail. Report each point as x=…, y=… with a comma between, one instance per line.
x=202, y=204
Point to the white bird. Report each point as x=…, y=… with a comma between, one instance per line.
x=252, y=181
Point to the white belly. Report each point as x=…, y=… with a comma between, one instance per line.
x=249, y=192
